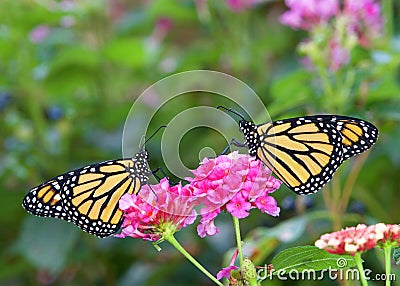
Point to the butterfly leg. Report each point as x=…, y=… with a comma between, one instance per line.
x=155, y=194
x=155, y=171
x=234, y=142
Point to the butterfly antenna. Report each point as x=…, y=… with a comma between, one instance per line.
x=152, y=135
x=232, y=111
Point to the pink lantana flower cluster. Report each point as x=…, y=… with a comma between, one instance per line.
x=337, y=27
x=236, y=183
x=387, y=233
x=360, y=238
x=157, y=210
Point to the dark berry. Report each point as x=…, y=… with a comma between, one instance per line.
x=5, y=99
x=357, y=207
x=288, y=203
x=54, y=112
x=308, y=202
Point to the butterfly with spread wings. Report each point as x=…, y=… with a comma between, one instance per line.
x=304, y=152
x=89, y=196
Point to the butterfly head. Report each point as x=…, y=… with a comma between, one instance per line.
x=251, y=138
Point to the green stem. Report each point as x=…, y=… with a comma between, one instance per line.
x=345, y=90
x=238, y=240
x=388, y=250
x=357, y=258
x=387, y=9
x=328, y=90
x=171, y=239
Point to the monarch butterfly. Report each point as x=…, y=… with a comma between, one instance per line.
x=304, y=152
x=89, y=196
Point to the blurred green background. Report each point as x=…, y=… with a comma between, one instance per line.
x=69, y=73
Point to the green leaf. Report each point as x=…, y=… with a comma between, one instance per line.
x=290, y=92
x=263, y=241
x=167, y=8
x=310, y=257
x=46, y=242
x=287, y=231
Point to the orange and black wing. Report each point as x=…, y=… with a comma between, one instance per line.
x=357, y=135
x=303, y=152
x=91, y=195
x=45, y=199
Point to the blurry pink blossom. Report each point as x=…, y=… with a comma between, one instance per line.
x=161, y=29
x=240, y=5
x=66, y=5
x=339, y=55
x=357, y=22
x=306, y=14
x=39, y=33
x=365, y=20
x=67, y=21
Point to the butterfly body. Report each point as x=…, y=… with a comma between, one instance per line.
x=89, y=196
x=304, y=152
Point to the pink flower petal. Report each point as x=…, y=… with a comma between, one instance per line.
x=226, y=272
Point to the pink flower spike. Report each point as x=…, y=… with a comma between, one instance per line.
x=226, y=272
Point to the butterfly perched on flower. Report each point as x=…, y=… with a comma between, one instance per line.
x=89, y=196
x=304, y=152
